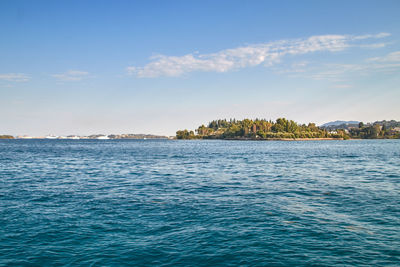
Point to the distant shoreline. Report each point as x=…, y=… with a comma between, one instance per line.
x=288, y=130
x=227, y=139
x=210, y=139
x=282, y=139
x=91, y=139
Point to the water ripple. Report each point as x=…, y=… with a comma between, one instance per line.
x=202, y=203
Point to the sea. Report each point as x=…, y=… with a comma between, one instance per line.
x=199, y=203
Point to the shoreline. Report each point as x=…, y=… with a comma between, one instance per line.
x=210, y=139
x=281, y=139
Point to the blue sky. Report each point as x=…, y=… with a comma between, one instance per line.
x=83, y=67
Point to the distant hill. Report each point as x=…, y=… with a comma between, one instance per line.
x=348, y=125
x=337, y=123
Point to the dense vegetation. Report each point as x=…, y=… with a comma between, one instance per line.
x=288, y=129
x=374, y=131
x=258, y=129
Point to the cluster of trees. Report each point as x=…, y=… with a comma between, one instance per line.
x=185, y=134
x=374, y=131
x=258, y=129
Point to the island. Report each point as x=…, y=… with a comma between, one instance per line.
x=284, y=129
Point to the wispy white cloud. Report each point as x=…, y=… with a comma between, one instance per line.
x=392, y=57
x=15, y=77
x=373, y=45
x=369, y=36
x=296, y=67
x=71, y=75
x=389, y=63
x=252, y=55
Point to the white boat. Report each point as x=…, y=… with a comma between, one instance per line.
x=103, y=137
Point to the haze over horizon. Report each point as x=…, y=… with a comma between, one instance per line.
x=77, y=67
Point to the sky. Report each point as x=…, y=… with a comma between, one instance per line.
x=112, y=67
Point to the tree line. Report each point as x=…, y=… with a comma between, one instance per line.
x=283, y=128
x=374, y=131
x=258, y=129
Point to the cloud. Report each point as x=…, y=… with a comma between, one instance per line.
x=370, y=36
x=71, y=75
x=267, y=54
x=392, y=57
x=15, y=77
x=296, y=67
x=374, y=45
x=389, y=63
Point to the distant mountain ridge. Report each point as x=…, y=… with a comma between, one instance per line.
x=336, y=123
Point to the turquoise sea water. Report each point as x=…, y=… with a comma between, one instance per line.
x=199, y=203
